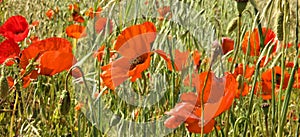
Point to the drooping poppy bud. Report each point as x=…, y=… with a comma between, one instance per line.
x=65, y=102
x=4, y=87
x=279, y=25
x=241, y=5
x=232, y=25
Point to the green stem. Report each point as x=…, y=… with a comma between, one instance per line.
x=11, y=133
x=261, y=42
x=273, y=102
x=238, y=43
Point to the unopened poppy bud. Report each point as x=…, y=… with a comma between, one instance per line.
x=232, y=25
x=4, y=87
x=65, y=102
x=279, y=25
x=241, y=5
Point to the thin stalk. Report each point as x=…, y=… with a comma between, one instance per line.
x=273, y=102
x=11, y=133
x=238, y=43
x=261, y=42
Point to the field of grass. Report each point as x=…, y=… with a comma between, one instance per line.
x=209, y=68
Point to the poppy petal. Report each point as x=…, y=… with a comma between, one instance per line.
x=15, y=28
x=75, y=31
x=8, y=49
x=53, y=62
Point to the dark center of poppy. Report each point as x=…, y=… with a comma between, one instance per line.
x=139, y=60
x=278, y=78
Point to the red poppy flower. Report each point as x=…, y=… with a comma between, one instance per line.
x=134, y=45
x=8, y=49
x=77, y=17
x=189, y=110
x=266, y=82
x=15, y=28
x=53, y=55
x=50, y=13
x=75, y=31
x=53, y=62
x=254, y=41
x=227, y=44
x=249, y=71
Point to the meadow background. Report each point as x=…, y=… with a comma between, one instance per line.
x=40, y=109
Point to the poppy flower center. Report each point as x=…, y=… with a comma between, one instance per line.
x=139, y=60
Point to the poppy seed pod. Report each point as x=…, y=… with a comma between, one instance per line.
x=65, y=102
x=241, y=5
x=4, y=87
x=232, y=25
x=279, y=25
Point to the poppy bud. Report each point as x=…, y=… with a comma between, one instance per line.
x=241, y=5
x=279, y=25
x=65, y=102
x=4, y=87
x=232, y=25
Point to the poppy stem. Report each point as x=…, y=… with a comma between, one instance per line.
x=238, y=44
x=11, y=133
x=274, y=113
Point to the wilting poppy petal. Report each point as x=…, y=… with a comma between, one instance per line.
x=183, y=110
x=164, y=12
x=173, y=122
x=180, y=59
x=195, y=128
x=53, y=62
x=100, y=25
x=8, y=49
x=75, y=31
x=227, y=45
x=254, y=41
x=15, y=28
x=189, y=97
